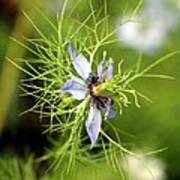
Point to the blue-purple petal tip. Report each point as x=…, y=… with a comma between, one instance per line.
x=71, y=50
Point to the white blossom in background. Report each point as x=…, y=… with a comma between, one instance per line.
x=144, y=168
x=150, y=29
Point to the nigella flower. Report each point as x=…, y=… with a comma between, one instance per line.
x=86, y=85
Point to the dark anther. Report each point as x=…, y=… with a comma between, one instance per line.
x=102, y=102
x=92, y=79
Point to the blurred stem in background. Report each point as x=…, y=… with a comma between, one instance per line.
x=10, y=74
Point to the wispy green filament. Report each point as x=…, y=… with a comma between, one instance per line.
x=52, y=67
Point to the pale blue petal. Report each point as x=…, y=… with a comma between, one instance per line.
x=76, y=87
x=82, y=66
x=80, y=63
x=109, y=110
x=71, y=50
x=93, y=124
x=101, y=68
x=111, y=113
x=105, y=70
x=110, y=71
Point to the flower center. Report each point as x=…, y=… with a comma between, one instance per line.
x=92, y=82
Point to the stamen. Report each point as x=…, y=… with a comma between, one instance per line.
x=92, y=79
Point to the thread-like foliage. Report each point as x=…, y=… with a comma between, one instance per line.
x=52, y=66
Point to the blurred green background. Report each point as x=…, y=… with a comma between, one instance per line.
x=155, y=125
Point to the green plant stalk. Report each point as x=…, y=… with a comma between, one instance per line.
x=10, y=74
